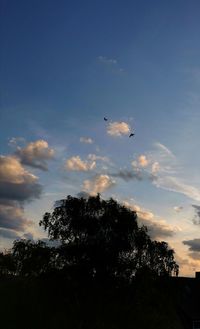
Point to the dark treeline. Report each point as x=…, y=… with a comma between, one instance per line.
x=98, y=240
x=103, y=271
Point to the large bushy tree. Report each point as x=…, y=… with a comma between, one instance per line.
x=102, y=239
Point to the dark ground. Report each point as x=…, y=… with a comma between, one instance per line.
x=53, y=303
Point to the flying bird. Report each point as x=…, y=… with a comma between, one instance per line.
x=131, y=135
x=105, y=119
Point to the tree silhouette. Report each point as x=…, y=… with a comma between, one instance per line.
x=101, y=239
x=7, y=264
x=32, y=258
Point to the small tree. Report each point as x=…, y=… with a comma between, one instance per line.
x=7, y=264
x=32, y=258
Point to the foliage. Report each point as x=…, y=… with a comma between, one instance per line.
x=102, y=239
x=32, y=258
x=99, y=239
x=7, y=264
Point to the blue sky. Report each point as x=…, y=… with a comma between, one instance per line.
x=64, y=66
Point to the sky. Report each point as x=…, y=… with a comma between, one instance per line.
x=67, y=65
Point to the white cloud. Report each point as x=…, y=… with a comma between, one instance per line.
x=12, y=171
x=166, y=173
x=105, y=60
x=12, y=217
x=86, y=140
x=35, y=154
x=14, y=141
x=157, y=228
x=76, y=164
x=99, y=184
x=178, y=208
x=160, y=160
x=142, y=213
x=118, y=128
x=143, y=161
x=111, y=63
x=16, y=183
x=17, y=186
x=155, y=167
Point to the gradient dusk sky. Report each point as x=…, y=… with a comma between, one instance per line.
x=65, y=65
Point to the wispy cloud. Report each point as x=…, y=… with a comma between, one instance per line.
x=106, y=60
x=187, y=266
x=165, y=150
x=196, y=219
x=194, y=244
x=166, y=173
x=110, y=62
x=178, y=208
x=155, y=168
x=161, y=160
x=175, y=184
x=157, y=162
x=86, y=140
x=14, y=141
x=195, y=255
x=128, y=175
x=8, y=234
x=94, y=157
x=162, y=168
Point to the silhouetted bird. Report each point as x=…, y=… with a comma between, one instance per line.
x=105, y=119
x=131, y=135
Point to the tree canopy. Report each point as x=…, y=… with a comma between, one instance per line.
x=97, y=239
x=102, y=239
